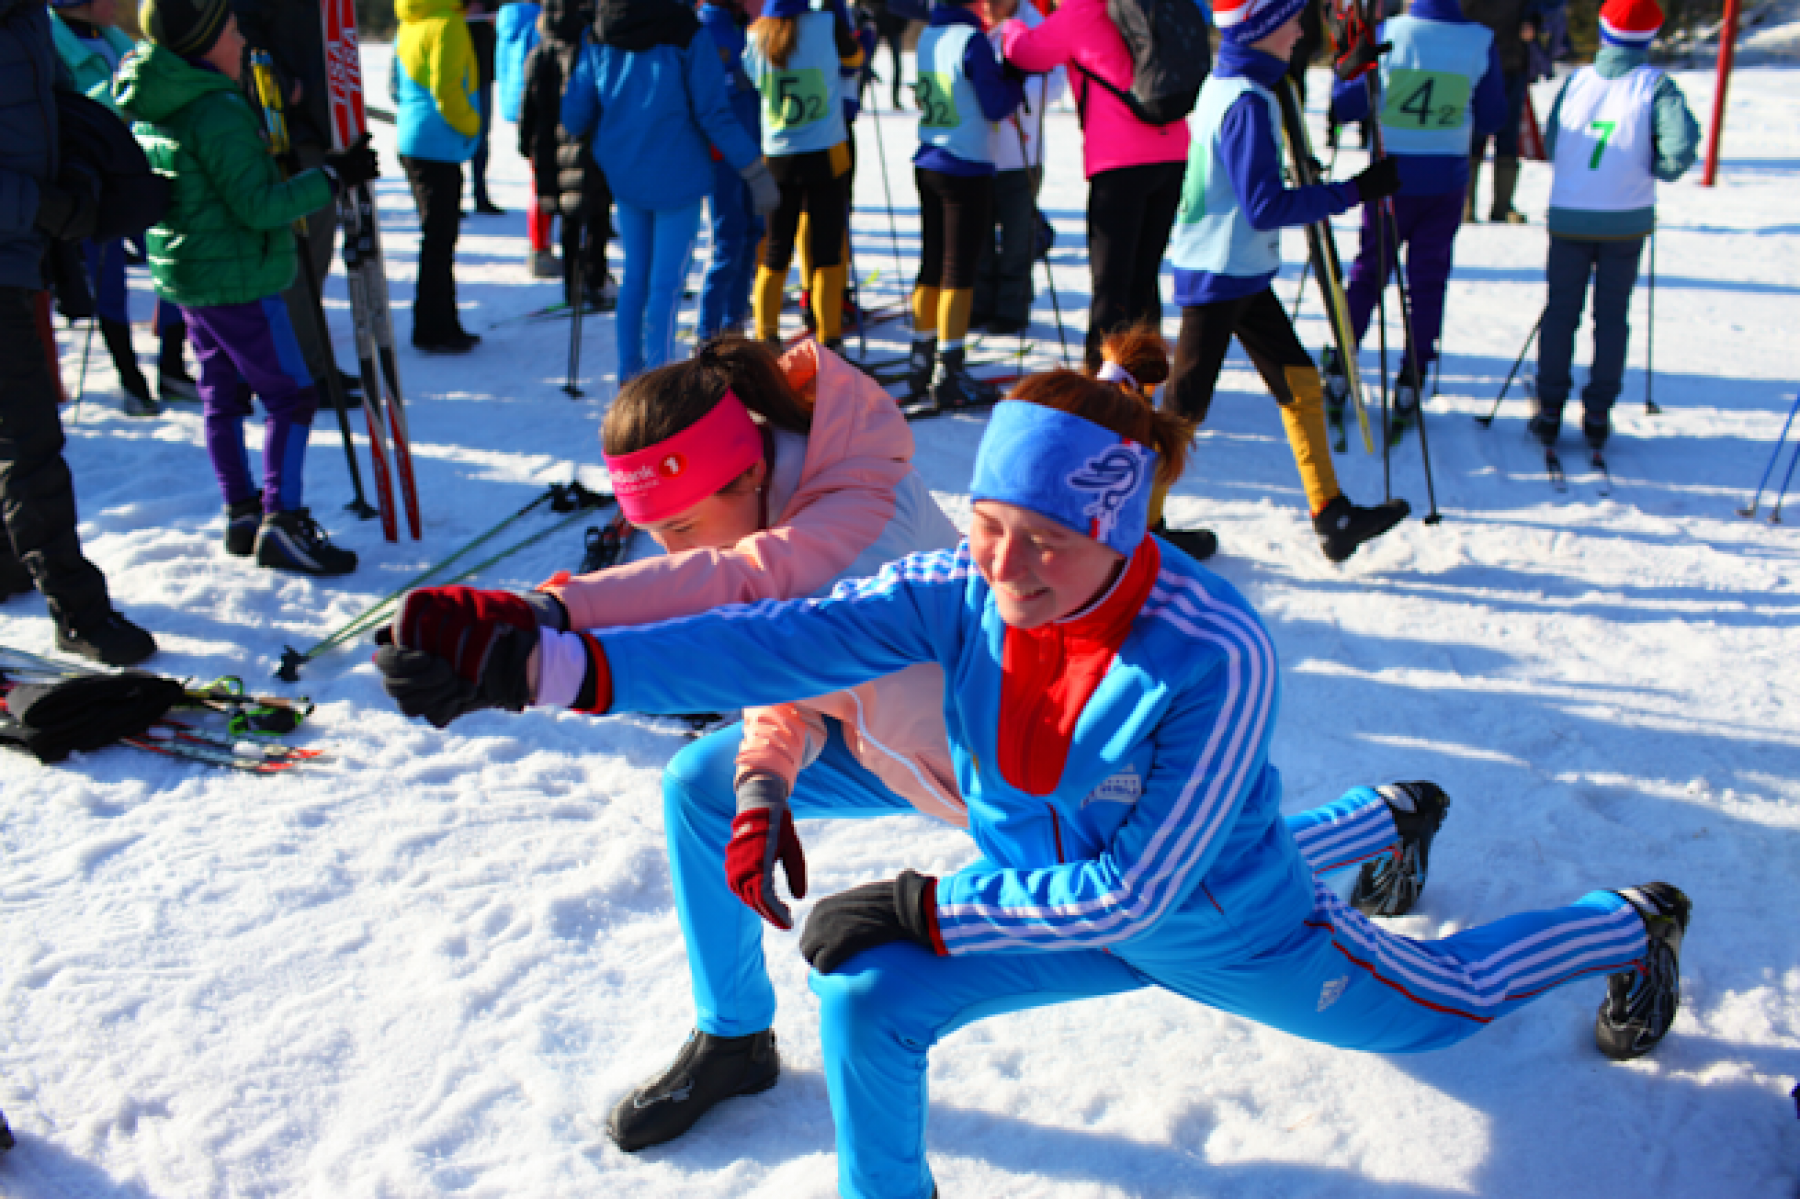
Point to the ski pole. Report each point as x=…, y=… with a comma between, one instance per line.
x=570, y=497
x=1485, y=421
x=1775, y=516
x=1650, y=406
x=578, y=302
x=1037, y=216
x=887, y=190
x=1774, y=457
x=81, y=379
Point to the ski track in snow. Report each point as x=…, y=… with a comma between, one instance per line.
x=430, y=964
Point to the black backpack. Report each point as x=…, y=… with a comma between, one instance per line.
x=1171, y=53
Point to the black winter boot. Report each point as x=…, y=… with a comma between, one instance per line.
x=1342, y=526
x=1391, y=884
x=1641, y=1005
x=294, y=541
x=707, y=1070
x=107, y=638
x=957, y=388
x=1198, y=544
x=117, y=335
x=919, y=363
x=242, y=520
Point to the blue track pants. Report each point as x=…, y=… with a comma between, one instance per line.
x=659, y=246
x=736, y=230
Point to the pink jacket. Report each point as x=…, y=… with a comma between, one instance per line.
x=844, y=500
x=1082, y=35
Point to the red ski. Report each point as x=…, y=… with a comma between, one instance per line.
x=367, y=276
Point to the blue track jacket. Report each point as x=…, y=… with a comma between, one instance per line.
x=1163, y=841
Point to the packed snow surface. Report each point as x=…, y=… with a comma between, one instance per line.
x=430, y=964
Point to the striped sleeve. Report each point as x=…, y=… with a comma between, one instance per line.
x=745, y=655
x=1211, y=751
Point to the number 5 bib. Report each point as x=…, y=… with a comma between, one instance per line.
x=802, y=100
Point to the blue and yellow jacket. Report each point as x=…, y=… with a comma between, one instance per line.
x=435, y=81
x=1154, y=830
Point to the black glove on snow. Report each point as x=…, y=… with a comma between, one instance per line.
x=355, y=166
x=1377, y=181
x=846, y=924
x=68, y=213
x=426, y=685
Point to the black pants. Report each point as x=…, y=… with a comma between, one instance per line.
x=1003, y=271
x=808, y=185
x=1260, y=324
x=37, y=494
x=1130, y=213
x=957, y=212
x=437, y=190
x=892, y=32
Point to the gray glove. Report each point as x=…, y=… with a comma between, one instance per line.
x=765, y=196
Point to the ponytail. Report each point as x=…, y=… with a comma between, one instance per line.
x=1117, y=397
x=776, y=37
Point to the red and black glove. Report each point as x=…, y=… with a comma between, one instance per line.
x=455, y=650
x=862, y=918
x=762, y=835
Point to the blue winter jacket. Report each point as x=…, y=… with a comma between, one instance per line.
x=29, y=70
x=1161, y=842
x=1250, y=145
x=515, y=33
x=998, y=95
x=653, y=114
x=1433, y=174
x=731, y=37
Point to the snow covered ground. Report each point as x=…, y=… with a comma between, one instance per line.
x=429, y=965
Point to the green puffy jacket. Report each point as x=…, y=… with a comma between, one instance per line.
x=226, y=238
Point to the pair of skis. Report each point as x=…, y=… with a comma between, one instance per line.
x=367, y=277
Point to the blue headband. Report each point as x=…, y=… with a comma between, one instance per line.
x=1069, y=469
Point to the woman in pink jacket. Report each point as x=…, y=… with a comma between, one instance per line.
x=1134, y=169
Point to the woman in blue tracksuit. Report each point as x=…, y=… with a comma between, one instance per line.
x=651, y=91
x=736, y=228
x=1110, y=708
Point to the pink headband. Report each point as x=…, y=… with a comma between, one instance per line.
x=672, y=476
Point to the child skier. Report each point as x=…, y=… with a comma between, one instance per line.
x=732, y=797
x=224, y=252
x=1440, y=85
x=737, y=230
x=1227, y=249
x=651, y=91
x=1616, y=128
x=794, y=58
x=90, y=45
x=1111, y=711
x=961, y=93
x=516, y=34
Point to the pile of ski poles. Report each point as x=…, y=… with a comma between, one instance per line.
x=571, y=498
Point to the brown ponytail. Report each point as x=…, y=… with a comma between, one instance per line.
x=776, y=37
x=1126, y=410
x=661, y=403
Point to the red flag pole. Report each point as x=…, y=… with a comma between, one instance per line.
x=1727, y=46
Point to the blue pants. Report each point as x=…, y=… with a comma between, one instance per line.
x=106, y=267
x=732, y=993
x=659, y=245
x=247, y=349
x=736, y=230
x=1613, y=267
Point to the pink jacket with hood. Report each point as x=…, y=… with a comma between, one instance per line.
x=1080, y=34
x=844, y=501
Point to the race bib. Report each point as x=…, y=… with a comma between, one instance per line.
x=796, y=98
x=1425, y=100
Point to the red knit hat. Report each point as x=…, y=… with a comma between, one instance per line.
x=1631, y=23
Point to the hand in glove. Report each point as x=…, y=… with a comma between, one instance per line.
x=765, y=196
x=67, y=209
x=1377, y=181
x=1362, y=57
x=452, y=650
x=352, y=167
x=762, y=835
x=862, y=918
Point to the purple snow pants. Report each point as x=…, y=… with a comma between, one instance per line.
x=247, y=349
x=1428, y=227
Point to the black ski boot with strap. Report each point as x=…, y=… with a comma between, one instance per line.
x=1390, y=885
x=1641, y=1003
x=708, y=1070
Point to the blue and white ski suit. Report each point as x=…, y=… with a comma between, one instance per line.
x=1161, y=858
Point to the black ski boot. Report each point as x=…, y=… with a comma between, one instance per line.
x=1391, y=884
x=1596, y=432
x=1342, y=526
x=1641, y=1005
x=1198, y=544
x=708, y=1069
x=242, y=520
x=919, y=363
x=117, y=335
x=294, y=541
x=1405, y=413
x=107, y=638
x=957, y=388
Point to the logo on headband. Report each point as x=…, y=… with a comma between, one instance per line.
x=1112, y=477
x=671, y=466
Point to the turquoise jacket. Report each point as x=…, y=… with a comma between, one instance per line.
x=91, y=71
x=1676, y=141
